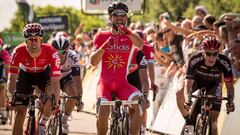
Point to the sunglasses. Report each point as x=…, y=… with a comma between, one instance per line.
x=62, y=52
x=212, y=54
x=33, y=39
x=119, y=13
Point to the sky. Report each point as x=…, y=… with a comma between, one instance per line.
x=9, y=7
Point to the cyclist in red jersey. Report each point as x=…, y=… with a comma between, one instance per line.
x=4, y=63
x=33, y=64
x=114, y=48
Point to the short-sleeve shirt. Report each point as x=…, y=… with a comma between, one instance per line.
x=22, y=59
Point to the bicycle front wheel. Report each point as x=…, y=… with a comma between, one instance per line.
x=52, y=128
x=31, y=126
x=125, y=125
x=207, y=126
x=199, y=125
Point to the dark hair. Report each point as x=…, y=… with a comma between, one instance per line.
x=219, y=23
x=159, y=36
x=117, y=5
x=210, y=19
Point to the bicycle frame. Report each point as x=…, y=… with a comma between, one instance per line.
x=31, y=119
x=203, y=122
x=55, y=123
x=120, y=115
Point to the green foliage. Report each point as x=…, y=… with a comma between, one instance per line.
x=153, y=8
x=75, y=18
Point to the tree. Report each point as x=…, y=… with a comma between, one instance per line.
x=75, y=17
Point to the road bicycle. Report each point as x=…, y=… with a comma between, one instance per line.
x=203, y=124
x=119, y=120
x=54, y=127
x=31, y=118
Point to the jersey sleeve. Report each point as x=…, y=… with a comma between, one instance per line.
x=227, y=70
x=6, y=57
x=54, y=63
x=141, y=60
x=190, y=69
x=97, y=42
x=15, y=61
x=75, y=64
x=148, y=51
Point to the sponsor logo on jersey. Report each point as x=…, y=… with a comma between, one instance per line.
x=225, y=64
x=196, y=60
x=114, y=61
x=209, y=76
x=143, y=62
x=118, y=48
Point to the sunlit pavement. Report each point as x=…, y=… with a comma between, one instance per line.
x=81, y=124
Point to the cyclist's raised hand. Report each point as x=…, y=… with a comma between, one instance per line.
x=123, y=29
x=230, y=107
x=108, y=42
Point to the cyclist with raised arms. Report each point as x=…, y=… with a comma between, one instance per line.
x=70, y=81
x=206, y=70
x=4, y=63
x=113, y=50
x=33, y=64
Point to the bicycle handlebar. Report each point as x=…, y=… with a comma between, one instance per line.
x=209, y=97
x=119, y=102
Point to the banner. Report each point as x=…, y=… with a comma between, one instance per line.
x=54, y=23
x=27, y=11
x=101, y=6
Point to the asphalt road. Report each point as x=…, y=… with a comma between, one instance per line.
x=81, y=124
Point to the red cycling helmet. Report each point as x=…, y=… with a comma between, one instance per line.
x=62, y=33
x=140, y=34
x=33, y=29
x=210, y=43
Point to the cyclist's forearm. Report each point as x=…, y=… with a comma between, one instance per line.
x=144, y=80
x=187, y=89
x=151, y=72
x=136, y=40
x=96, y=56
x=54, y=87
x=11, y=83
x=230, y=90
x=78, y=84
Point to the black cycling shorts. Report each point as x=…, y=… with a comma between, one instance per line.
x=27, y=82
x=65, y=80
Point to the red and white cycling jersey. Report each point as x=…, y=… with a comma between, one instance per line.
x=5, y=57
x=148, y=51
x=21, y=59
x=114, y=67
x=117, y=57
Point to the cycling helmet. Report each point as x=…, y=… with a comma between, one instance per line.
x=117, y=5
x=33, y=29
x=60, y=42
x=140, y=34
x=61, y=33
x=210, y=43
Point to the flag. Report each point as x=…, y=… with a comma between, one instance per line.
x=27, y=11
